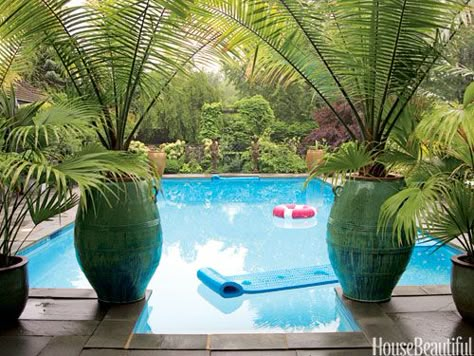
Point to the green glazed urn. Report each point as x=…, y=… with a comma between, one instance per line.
x=368, y=263
x=462, y=282
x=13, y=289
x=118, y=241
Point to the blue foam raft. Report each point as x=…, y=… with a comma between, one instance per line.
x=235, y=286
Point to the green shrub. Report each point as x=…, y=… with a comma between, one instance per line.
x=256, y=113
x=191, y=167
x=211, y=121
x=233, y=162
x=280, y=131
x=174, y=150
x=236, y=134
x=138, y=147
x=279, y=158
x=173, y=166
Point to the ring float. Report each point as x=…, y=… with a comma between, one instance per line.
x=294, y=216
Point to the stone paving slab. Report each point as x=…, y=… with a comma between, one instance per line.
x=112, y=334
x=433, y=326
x=253, y=353
x=104, y=352
x=62, y=293
x=168, y=353
x=336, y=340
x=51, y=328
x=248, y=341
x=57, y=309
x=404, y=291
x=373, y=321
x=22, y=345
x=126, y=311
x=64, y=346
x=427, y=303
x=437, y=290
x=155, y=342
x=350, y=352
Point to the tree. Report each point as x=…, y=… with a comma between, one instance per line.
x=178, y=114
x=456, y=71
x=295, y=102
x=256, y=112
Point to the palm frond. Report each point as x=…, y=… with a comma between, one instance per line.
x=405, y=211
x=349, y=159
x=46, y=203
x=453, y=218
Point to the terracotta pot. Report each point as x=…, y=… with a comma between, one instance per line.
x=313, y=158
x=158, y=159
x=462, y=280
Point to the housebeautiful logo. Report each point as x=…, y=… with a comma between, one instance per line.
x=456, y=346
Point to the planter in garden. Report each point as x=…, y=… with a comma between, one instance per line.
x=118, y=242
x=14, y=289
x=367, y=263
x=158, y=160
x=313, y=158
x=462, y=280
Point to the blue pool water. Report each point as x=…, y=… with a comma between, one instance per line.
x=227, y=224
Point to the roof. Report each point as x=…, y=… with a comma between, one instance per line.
x=26, y=93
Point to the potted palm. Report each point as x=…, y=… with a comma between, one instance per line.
x=36, y=182
x=372, y=58
x=119, y=56
x=439, y=199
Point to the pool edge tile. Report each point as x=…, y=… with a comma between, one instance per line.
x=111, y=334
x=330, y=340
x=261, y=341
x=169, y=342
x=62, y=293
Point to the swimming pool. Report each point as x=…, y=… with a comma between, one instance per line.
x=227, y=224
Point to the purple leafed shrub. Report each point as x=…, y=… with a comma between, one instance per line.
x=330, y=130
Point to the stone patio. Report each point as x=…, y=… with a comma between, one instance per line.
x=71, y=322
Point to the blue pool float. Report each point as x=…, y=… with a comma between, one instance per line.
x=261, y=282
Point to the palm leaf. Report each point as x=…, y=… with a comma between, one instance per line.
x=351, y=158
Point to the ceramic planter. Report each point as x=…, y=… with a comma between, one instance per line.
x=14, y=289
x=313, y=158
x=118, y=242
x=158, y=159
x=367, y=263
x=462, y=282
